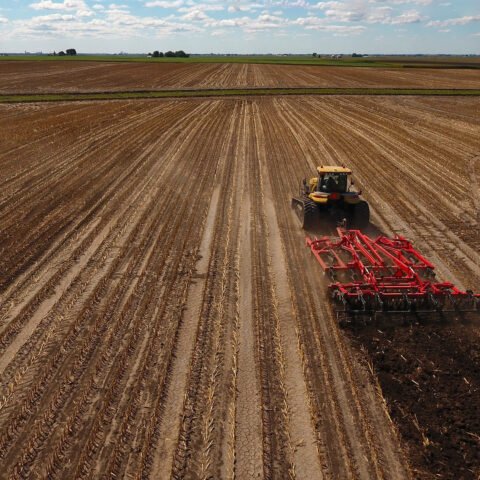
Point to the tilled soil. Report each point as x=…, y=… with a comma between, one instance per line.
x=41, y=77
x=430, y=376
x=160, y=316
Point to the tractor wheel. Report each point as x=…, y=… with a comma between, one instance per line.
x=360, y=216
x=310, y=215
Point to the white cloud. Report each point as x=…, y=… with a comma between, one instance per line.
x=244, y=7
x=79, y=6
x=165, y=3
x=218, y=33
x=65, y=5
x=355, y=11
x=288, y=3
x=195, y=16
x=454, y=21
x=322, y=24
x=411, y=16
x=197, y=13
x=212, y=18
x=403, y=2
x=270, y=18
x=117, y=22
x=204, y=7
x=263, y=22
x=329, y=5
x=85, y=13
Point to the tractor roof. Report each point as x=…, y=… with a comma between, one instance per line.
x=333, y=169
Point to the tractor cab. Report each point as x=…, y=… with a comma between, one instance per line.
x=332, y=183
x=330, y=179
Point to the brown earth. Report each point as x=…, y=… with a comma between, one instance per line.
x=160, y=316
x=42, y=77
x=431, y=378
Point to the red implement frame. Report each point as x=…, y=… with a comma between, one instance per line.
x=385, y=274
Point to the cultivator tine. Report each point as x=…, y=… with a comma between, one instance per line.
x=473, y=301
x=407, y=303
x=386, y=276
x=453, y=303
x=362, y=302
x=433, y=302
x=379, y=302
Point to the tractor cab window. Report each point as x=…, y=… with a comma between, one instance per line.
x=333, y=182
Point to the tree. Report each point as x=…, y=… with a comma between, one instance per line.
x=156, y=54
x=61, y=53
x=181, y=54
x=169, y=54
x=314, y=54
x=71, y=51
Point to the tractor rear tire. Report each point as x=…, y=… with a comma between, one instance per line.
x=360, y=216
x=310, y=215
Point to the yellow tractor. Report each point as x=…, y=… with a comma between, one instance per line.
x=330, y=196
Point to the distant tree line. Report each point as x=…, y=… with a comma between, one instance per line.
x=170, y=54
x=68, y=51
x=354, y=55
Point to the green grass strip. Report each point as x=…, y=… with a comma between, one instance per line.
x=131, y=95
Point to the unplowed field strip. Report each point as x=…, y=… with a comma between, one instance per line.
x=160, y=316
x=44, y=77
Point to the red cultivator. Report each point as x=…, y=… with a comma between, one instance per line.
x=385, y=275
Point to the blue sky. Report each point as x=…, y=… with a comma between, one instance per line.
x=263, y=26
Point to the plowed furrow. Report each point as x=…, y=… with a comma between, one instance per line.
x=119, y=189
x=99, y=207
x=278, y=447
x=87, y=312
x=137, y=233
x=248, y=405
x=151, y=422
x=200, y=439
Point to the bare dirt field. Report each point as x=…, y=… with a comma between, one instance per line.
x=160, y=316
x=51, y=76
